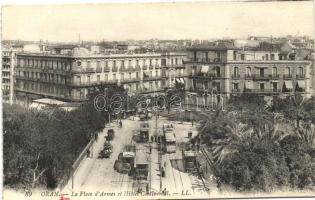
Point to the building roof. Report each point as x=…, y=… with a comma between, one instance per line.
x=221, y=46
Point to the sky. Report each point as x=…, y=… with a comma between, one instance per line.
x=139, y=21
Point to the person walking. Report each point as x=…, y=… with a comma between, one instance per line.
x=88, y=153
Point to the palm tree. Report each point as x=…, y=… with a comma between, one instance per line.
x=307, y=133
x=238, y=135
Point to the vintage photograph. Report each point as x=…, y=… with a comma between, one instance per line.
x=158, y=100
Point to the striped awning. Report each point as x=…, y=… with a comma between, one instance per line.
x=204, y=69
x=301, y=84
x=249, y=85
x=288, y=84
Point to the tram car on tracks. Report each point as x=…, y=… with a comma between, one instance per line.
x=144, y=132
x=189, y=161
x=141, y=165
x=126, y=160
x=169, y=141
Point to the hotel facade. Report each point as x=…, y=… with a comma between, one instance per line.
x=68, y=77
x=220, y=71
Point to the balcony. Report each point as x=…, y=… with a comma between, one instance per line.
x=274, y=76
x=144, y=67
x=235, y=76
x=91, y=84
x=249, y=76
x=261, y=76
x=151, y=67
x=300, y=76
x=204, y=60
x=264, y=91
x=106, y=69
x=115, y=69
x=129, y=80
x=151, y=78
x=236, y=90
x=179, y=66
x=287, y=76
x=206, y=76
x=129, y=69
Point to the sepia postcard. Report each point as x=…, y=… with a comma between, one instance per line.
x=158, y=100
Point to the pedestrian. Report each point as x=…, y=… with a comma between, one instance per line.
x=164, y=164
x=120, y=124
x=218, y=184
x=150, y=148
x=88, y=153
x=96, y=136
x=162, y=172
x=147, y=188
x=152, y=138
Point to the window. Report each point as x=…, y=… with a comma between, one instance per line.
x=262, y=86
x=176, y=61
x=235, y=86
x=88, y=79
x=218, y=71
x=156, y=73
x=272, y=56
x=275, y=86
x=122, y=76
x=234, y=55
x=137, y=75
x=151, y=86
x=288, y=71
x=78, y=79
x=262, y=72
x=274, y=71
x=129, y=75
x=301, y=73
x=218, y=86
x=98, y=63
x=150, y=62
x=137, y=62
x=267, y=57
x=106, y=63
x=122, y=64
x=129, y=62
x=114, y=63
x=114, y=77
x=98, y=78
x=88, y=63
x=235, y=72
x=151, y=74
x=242, y=57
x=106, y=77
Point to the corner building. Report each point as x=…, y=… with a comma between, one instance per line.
x=224, y=70
x=69, y=77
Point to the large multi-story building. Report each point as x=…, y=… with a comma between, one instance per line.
x=224, y=70
x=8, y=63
x=68, y=76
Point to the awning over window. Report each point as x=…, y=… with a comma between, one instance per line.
x=288, y=84
x=301, y=84
x=249, y=85
x=182, y=80
x=146, y=74
x=204, y=69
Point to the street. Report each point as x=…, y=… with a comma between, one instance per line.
x=96, y=174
